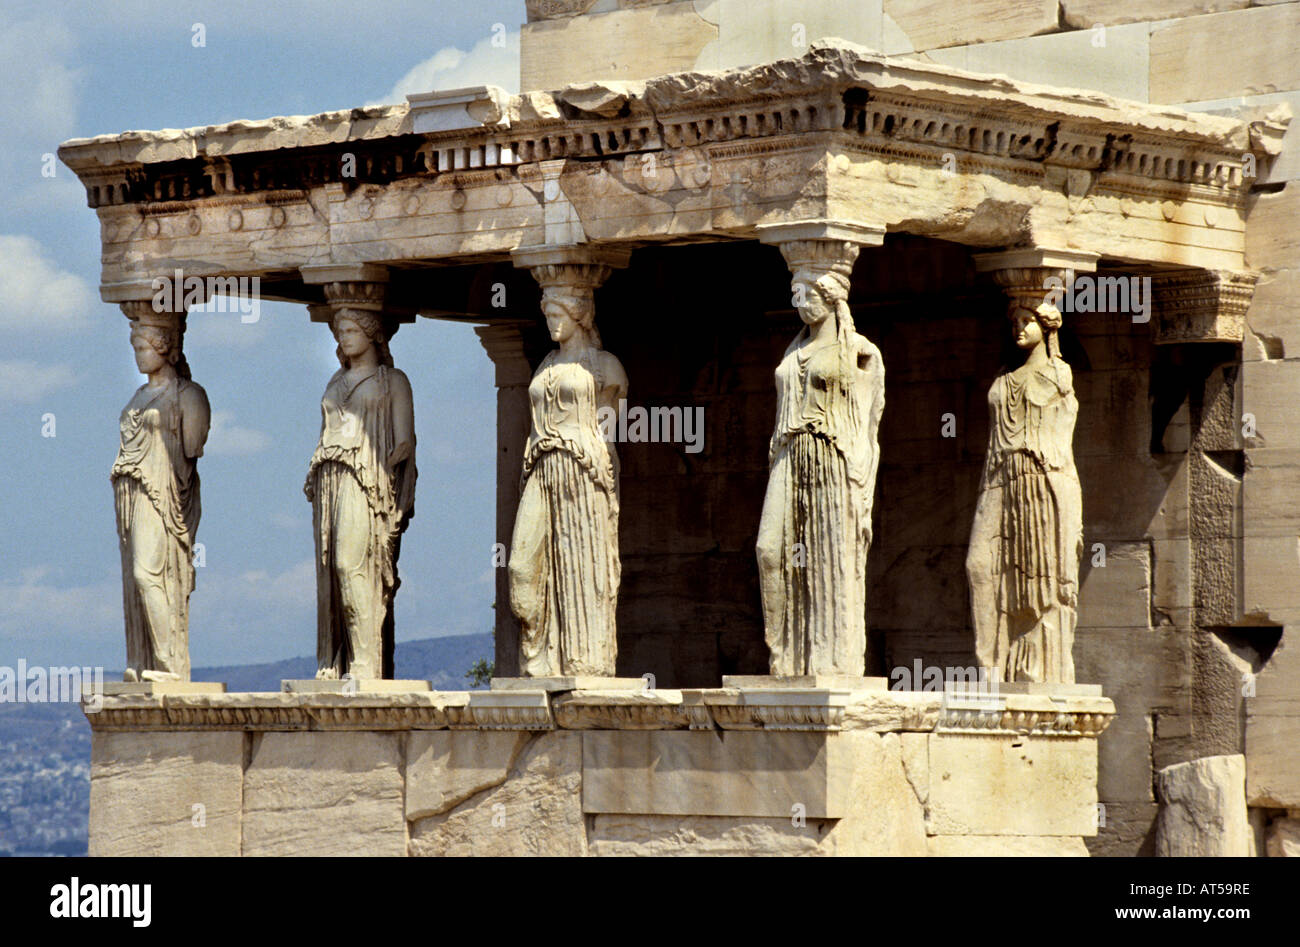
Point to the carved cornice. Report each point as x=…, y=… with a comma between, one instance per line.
x=556, y=9
x=503, y=710
x=785, y=708
x=621, y=710
x=1201, y=305
x=858, y=96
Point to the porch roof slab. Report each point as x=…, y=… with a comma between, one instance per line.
x=839, y=133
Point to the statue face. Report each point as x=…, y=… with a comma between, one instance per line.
x=147, y=358
x=1026, y=329
x=352, y=339
x=815, y=307
x=559, y=323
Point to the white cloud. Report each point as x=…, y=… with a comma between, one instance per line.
x=38, y=110
x=25, y=382
x=292, y=523
x=453, y=68
x=295, y=587
x=226, y=438
x=37, y=296
x=38, y=102
x=222, y=330
x=34, y=607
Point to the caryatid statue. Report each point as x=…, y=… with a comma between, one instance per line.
x=156, y=491
x=815, y=528
x=564, y=562
x=1027, y=538
x=361, y=483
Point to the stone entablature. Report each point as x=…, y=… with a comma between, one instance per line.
x=839, y=133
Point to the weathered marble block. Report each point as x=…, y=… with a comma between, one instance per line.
x=166, y=793
x=333, y=793
x=774, y=770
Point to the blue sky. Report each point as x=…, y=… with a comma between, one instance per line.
x=80, y=69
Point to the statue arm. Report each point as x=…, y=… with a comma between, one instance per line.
x=874, y=366
x=615, y=389
x=403, y=419
x=615, y=379
x=196, y=418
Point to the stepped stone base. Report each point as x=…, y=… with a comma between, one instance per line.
x=611, y=771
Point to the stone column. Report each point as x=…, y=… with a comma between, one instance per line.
x=363, y=287
x=815, y=531
x=1027, y=537
x=167, y=419
x=504, y=343
x=567, y=628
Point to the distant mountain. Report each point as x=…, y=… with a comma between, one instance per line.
x=45, y=748
x=441, y=661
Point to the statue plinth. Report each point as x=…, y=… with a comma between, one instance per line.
x=156, y=688
x=353, y=686
x=801, y=681
x=578, y=682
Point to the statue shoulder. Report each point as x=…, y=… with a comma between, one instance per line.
x=192, y=397
x=397, y=378
x=868, y=354
x=864, y=346
x=612, y=369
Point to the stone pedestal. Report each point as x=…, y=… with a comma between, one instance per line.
x=832, y=681
x=554, y=685
x=599, y=771
x=159, y=688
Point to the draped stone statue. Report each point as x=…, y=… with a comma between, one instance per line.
x=815, y=528
x=564, y=564
x=156, y=491
x=361, y=483
x=1027, y=538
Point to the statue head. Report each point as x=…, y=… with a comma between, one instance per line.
x=1034, y=326
x=570, y=309
x=819, y=295
x=821, y=291
x=158, y=345
x=356, y=331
